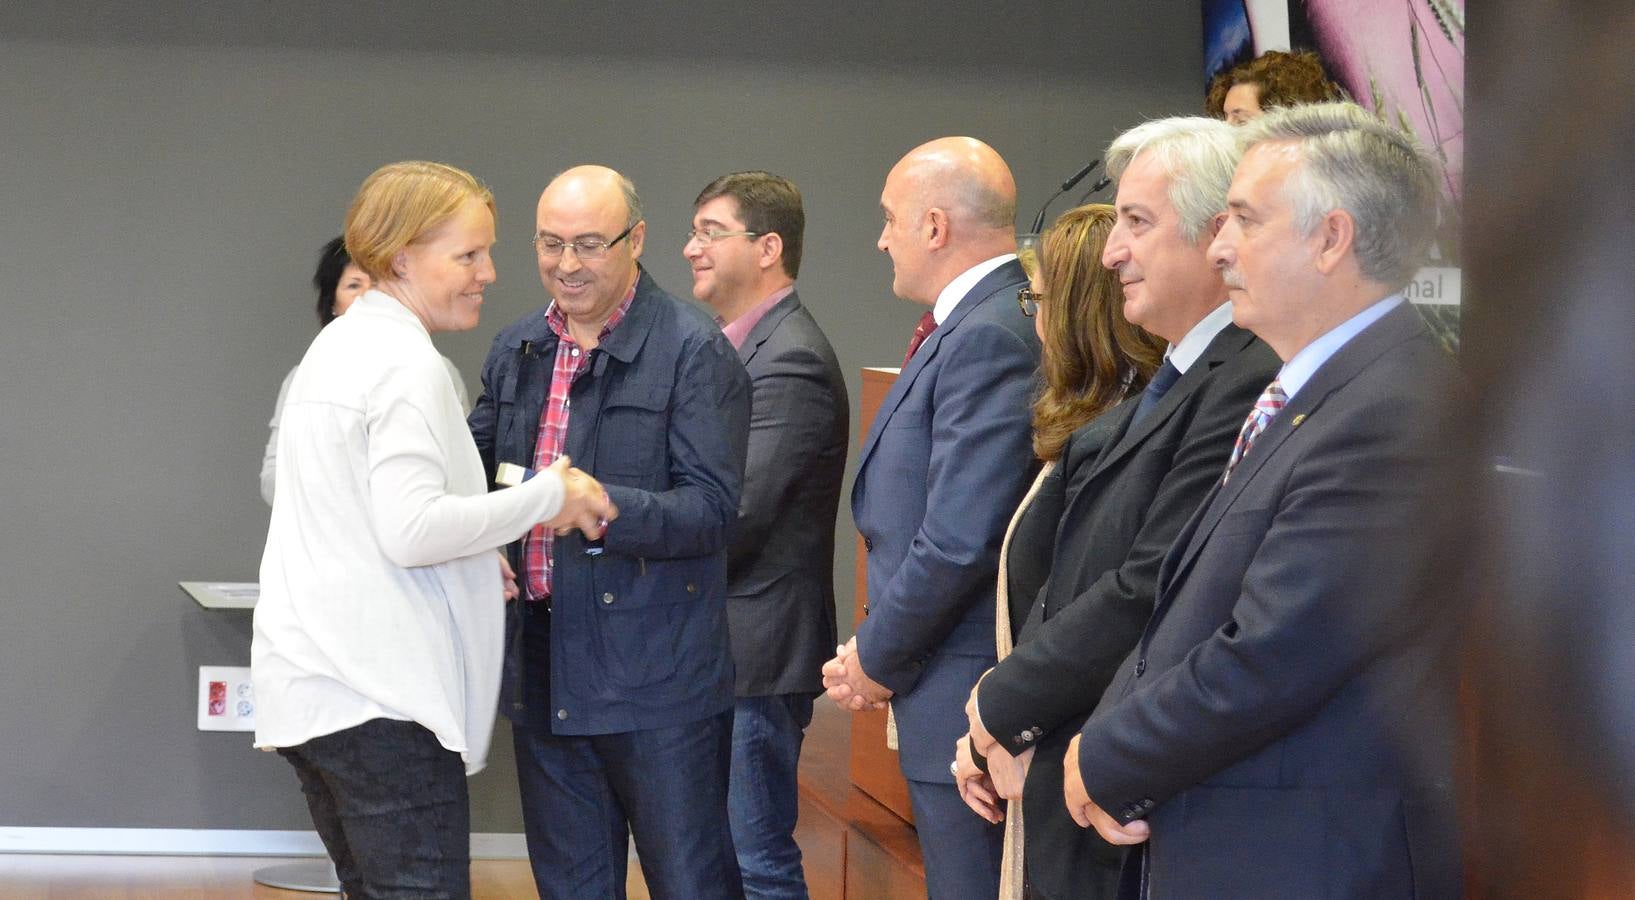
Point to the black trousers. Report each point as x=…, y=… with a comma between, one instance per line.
x=391, y=806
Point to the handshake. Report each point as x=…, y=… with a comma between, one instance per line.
x=585, y=503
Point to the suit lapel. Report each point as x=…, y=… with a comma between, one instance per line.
x=1008, y=274
x=768, y=324
x=1400, y=324
x=1229, y=342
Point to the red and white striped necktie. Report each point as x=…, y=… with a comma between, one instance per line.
x=1269, y=404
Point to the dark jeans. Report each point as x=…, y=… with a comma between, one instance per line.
x=762, y=796
x=584, y=796
x=390, y=804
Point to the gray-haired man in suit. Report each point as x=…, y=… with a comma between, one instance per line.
x=1255, y=733
x=745, y=250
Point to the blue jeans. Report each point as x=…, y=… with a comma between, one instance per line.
x=390, y=804
x=762, y=801
x=583, y=797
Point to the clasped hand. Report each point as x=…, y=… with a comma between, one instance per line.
x=1008, y=774
x=585, y=503
x=1086, y=813
x=848, y=685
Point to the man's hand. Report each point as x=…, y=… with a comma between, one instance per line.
x=974, y=787
x=848, y=685
x=585, y=503
x=1085, y=811
x=507, y=577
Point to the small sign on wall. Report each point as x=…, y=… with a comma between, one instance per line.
x=226, y=699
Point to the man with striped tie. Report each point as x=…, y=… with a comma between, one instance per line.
x=1256, y=733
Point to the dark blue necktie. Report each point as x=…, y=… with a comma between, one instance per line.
x=1162, y=381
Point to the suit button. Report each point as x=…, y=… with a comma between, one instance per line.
x=865, y=609
x=692, y=588
x=868, y=544
x=607, y=598
x=561, y=714
x=1140, y=667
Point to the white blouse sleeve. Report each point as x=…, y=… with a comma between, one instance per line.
x=416, y=520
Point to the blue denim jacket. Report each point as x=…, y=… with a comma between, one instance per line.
x=638, y=633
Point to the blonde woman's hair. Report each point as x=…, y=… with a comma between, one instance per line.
x=400, y=203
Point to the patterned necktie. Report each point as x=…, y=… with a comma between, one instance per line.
x=1162, y=381
x=1270, y=404
x=927, y=324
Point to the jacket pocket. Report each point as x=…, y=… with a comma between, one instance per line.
x=633, y=432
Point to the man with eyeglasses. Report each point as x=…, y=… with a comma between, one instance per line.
x=745, y=251
x=619, y=681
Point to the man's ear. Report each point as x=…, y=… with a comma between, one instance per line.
x=1338, y=235
x=771, y=250
x=935, y=227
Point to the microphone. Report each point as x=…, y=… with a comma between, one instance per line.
x=1100, y=185
x=1039, y=220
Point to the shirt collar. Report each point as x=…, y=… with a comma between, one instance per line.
x=961, y=285
x=738, y=329
x=377, y=300
x=558, y=320
x=1299, y=369
x=1185, y=353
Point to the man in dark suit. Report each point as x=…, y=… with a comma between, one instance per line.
x=1124, y=508
x=619, y=679
x=1253, y=734
x=945, y=462
x=745, y=252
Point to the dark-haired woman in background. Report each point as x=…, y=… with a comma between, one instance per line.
x=338, y=282
x=1092, y=359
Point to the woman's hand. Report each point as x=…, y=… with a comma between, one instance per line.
x=585, y=503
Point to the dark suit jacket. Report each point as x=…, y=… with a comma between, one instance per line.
x=941, y=471
x=661, y=418
x=1254, y=725
x=1124, y=507
x=780, y=564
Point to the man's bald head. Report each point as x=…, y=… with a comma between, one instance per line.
x=595, y=184
x=948, y=205
x=963, y=176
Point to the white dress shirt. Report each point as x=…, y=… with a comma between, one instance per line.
x=1182, y=355
x=380, y=591
x=962, y=284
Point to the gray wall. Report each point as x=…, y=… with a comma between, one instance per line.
x=167, y=172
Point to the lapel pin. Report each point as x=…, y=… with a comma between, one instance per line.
x=1297, y=420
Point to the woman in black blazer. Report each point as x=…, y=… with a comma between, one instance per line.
x=1092, y=359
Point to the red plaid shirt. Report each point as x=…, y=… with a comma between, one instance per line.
x=571, y=362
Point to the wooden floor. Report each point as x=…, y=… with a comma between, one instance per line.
x=212, y=878
x=853, y=847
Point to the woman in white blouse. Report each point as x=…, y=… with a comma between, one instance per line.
x=338, y=282
x=379, y=632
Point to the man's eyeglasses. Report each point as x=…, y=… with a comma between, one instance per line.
x=1028, y=299
x=709, y=236
x=551, y=247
